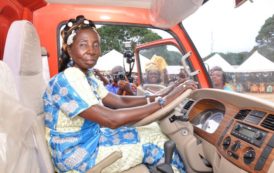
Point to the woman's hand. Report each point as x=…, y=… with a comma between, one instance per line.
x=188, y=84
x=181, y=88
x=101, y=76
x=179, y=81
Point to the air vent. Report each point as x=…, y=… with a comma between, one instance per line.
x=268, y=122
x=242, y=114
x=254, y=117
x=188, y=104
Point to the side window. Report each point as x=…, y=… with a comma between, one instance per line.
x=235, y=62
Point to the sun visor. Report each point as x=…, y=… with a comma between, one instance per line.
x=167, y=13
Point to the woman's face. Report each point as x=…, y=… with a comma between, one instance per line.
x=217, y=78
x=153, y=77
x=85, y=49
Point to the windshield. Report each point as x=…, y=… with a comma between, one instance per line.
x=236, y=45
x=159, y=65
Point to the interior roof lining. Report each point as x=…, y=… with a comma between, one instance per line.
x=124, y=3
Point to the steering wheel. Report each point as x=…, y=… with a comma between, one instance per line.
x=161, y=113
x=153, y=87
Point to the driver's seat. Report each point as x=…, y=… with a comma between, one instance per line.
x=23, y=57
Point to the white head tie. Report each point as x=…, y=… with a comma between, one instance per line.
x=70, y=37
x=86, y=22
x=70, y=24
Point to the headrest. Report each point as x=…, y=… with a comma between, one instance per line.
x=22, y=49
x=22, y=54
x=7, y=81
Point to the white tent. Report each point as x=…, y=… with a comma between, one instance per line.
x=256, y=63
x=115, y=58
x=109, y=60
x=143, y=62
x=217, y=60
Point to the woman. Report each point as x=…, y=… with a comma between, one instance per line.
x=153, y=74
x=77, y=106
x=218, y=78
x=156, y=71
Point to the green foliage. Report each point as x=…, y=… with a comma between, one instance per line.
x=266, y=34
x=113, y=37
x=265, y=39
x=235, y=58
x=171, y=57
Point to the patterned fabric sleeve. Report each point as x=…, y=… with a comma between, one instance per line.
x=72, y=93
x=102, y=91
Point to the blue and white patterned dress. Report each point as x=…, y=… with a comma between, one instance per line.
x=76, y=144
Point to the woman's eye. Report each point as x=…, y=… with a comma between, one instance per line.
x=96, y=45
x=83, y=45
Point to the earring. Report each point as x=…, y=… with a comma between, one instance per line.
x=70, y=63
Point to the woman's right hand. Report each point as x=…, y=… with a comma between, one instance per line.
x=189, y=84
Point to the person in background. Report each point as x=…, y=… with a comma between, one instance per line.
x=162, y=66
x=183, y=74
x=120, y=84
x=153, y=74
x=85, y=123
x=219, y=79
x=269, y=88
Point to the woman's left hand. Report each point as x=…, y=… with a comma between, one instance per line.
x=178, y=90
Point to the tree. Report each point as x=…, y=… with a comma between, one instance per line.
x=113, y=37
x=266, y=34
x=265, y=39
x=171, y=57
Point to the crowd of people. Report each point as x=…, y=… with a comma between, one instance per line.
x=238, y=82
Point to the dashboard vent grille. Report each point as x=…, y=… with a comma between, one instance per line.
x=242, y=114
x=254, y=117
x=268, y=122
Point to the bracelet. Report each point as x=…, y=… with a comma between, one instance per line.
x=161, y=101
x=147, y=97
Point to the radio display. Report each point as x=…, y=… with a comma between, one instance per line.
x=247, y=132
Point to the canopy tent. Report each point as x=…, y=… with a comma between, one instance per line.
x=256, y=63
x=217, y=60
x=143, y=61
x=109, y=60
x=115, y=58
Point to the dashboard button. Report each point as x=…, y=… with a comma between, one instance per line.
x=260, y=164
x=271, y=142
x=267, y=150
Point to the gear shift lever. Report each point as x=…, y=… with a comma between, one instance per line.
x=169, y=147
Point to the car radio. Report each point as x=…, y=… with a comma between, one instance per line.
x=249, y=134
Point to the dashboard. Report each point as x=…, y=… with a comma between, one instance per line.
x=241, y=128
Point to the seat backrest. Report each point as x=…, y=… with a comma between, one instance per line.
x=7, y=81
x=22, y=141
x=22, y=54
x=45, y=64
